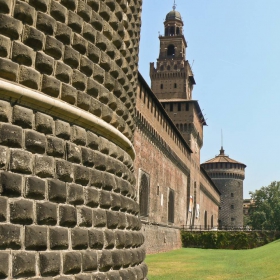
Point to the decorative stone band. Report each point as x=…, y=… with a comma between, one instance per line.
x=58, y=108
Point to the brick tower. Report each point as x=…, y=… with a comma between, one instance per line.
x=228, y=176
x=172, y=81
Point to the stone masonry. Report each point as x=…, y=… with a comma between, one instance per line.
x=68, y=78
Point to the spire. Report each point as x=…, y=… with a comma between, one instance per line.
x=174, y=6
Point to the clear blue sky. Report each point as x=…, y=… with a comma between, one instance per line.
x=234, y=47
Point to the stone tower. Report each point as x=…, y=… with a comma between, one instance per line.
x=228, y=176
x=68, y=80
x=172, y=81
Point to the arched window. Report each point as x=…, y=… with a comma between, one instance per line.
x=171, y=206
x=144, y=194
x=161, y=68
x=177, y=30
x=175, y=67
x=171, y=50
x=172, y=30
x=168, y=67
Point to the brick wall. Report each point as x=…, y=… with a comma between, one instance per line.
x=68, y=79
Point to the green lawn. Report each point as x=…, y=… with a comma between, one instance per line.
x=200, y=264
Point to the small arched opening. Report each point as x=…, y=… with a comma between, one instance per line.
x=171, y=50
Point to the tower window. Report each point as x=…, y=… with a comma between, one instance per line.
x=232, y=195
x=168, y=67
x=187, y=106
x=232, y=206
x=179, y=106
x=171, y=107
x=175, y=85
x=161, y=86
x=171, y=50
x=172, y=31
x=177, y=30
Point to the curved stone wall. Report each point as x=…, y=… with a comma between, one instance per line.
x=68, y=74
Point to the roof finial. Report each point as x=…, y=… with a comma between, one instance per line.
x=174, y=6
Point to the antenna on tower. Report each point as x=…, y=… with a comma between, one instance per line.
x=174, y=6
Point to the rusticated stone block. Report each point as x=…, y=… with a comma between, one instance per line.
x=73, y=153
x=95, y=107
x=128, y=240
x=75, y=22
x=35, y=188
x=21, y=161
x=64, y=34
x=35, y=238
x=46, y=213
x=92, y=140
x=22, y=54
x=49, y=264
x=67, y=216
x=57, y=190
x=44, y=123
x=96, y=239
x=44, y=63
x=88, y=157
x=86, y=66
x=100, y=161
x=85, y=216
x=35, y=142
x=106, y=113
x=68, y=94
x=33, y=37
x=109, y=238
x=99, y=217
x=3, y=209
x=41, y=5
x=91, y=197
x=106, y=261
x=115, y=201
x=109, y=182
x=72, y=262
x=96, y=20
x=5, y=6
x=22, y=116
x=94, y=4
x=89, y=261
x=24, y=12
x=79, y=238
x=62, y=129
x=79, y=80
x=29, y=77
x=63, y=72
x=71, y=57
x=83, y=100
x=78, y=135
x=53, y=47
x=117, y=257
x=89, y=32
x=75, y=194
x=70, y=4
x=45, y=23
x=98, y=73
x=4, y=258
x=5, y=111
x=44, y=166
x=97, y=178
x=81, y=174
x=64, y=170
x=21, y=212
x=23, y=264
x=10, y=27
x=55, y=146
x=58, y=238
x=84, y=11
x=79, y=43
x=104, y=199
x=11, y=184
x=112, y=219
x=93, y=53
x=8, y=69
x=127, y=259
x=50, y=86
x=93, y=88
x=10, y=236
x=3, y=156
x=58, y=11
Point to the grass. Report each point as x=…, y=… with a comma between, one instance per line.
x=205, y=264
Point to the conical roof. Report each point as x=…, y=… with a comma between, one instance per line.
x=223, y=158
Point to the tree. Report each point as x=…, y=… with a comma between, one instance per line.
x=265, y=212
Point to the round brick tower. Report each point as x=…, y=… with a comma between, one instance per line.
x=228, y=176
x=68, y=80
